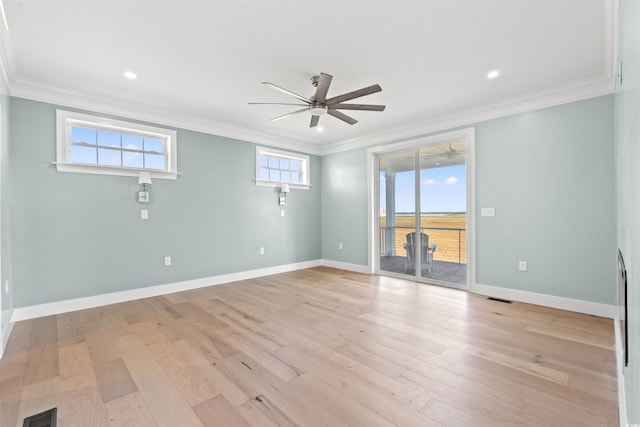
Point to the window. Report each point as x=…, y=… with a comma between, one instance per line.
x=274, y=167
x=92, y=144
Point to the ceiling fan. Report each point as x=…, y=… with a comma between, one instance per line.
x=449, y=154
x=319, y=105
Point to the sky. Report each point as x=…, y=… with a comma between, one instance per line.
x=441, y=190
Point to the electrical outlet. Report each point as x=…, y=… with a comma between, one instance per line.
x=340, y=245
x=6, y=286
x=167, y=260
x=522, y=265
x=144, y=214
x=281, y=212
x=262, y=250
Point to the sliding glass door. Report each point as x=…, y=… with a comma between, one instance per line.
x=422, y=218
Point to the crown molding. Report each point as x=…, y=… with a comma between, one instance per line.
x=105, y=105
x=573, y=92
x=147, y=113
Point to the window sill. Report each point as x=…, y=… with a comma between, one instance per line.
x=279, y=184
x=115, y=171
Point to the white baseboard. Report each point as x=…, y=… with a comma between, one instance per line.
x=4, y=335
x=622, y=400
x=562, y=303
x=58, y=307
x=347, y=266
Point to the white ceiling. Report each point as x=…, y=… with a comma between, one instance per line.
x=199, y=63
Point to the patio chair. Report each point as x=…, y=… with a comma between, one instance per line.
x=426, y=253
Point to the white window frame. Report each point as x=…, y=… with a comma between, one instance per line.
x=305, y=168
x=65, y=120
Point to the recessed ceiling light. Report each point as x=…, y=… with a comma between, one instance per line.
x=320, y=129
x=493, y=74
x=130, y=75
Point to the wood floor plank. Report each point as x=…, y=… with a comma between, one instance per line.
x=259, y=354
x=348, y=409
x=102, y=347
x=39, y=397
x=531, y=368
x=278, y=397
x=338, y=373
x=218, y=412
x=571, y=334
x=254, y=416
x=129, y=410
x=186, y=378
x=318, y=346
x=114, y=380
x=70, y=328
x=449, y=415
x=42, y=364
x=80, y=403
x=206, y=366
x=20, y=338
x=11, y=380
x=74, y=359
x=165, y=403
x=579, y=406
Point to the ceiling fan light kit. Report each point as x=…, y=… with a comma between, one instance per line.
x=318, y=105
x=317, y=109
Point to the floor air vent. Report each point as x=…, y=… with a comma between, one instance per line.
x=506, y=301
x=43, y=419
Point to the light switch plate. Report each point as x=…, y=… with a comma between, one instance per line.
x=488, y=211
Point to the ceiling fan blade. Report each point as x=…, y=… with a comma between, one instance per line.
x=367, y=107
x=288, y=92
x=446, y=155
x=314, y=121
x=323, y=88
x=276, y=103
x=338, y=115
x=352, y=95
x=289, y=114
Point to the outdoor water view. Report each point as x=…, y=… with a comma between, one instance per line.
x=442, y=216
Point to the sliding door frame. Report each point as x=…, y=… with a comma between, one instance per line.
x=373, y=196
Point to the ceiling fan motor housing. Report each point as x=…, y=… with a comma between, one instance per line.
x=317, y=109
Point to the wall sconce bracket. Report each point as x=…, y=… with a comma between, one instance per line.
x=282, y=196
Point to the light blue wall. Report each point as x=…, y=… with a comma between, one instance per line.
x=5, y=212
x=344, y=206
x=627, y=137
x=77, y=235
x=549, y=175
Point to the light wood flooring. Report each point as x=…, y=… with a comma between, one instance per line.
x=317, y=347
